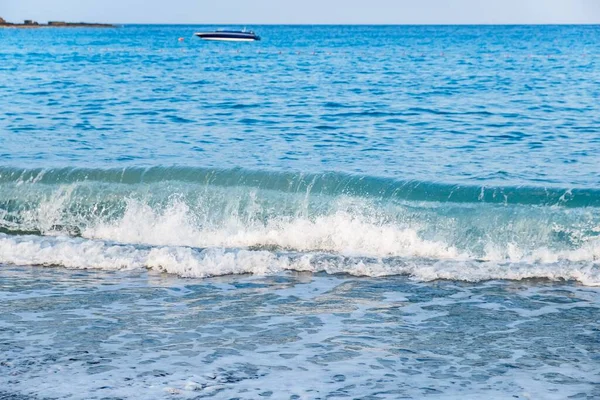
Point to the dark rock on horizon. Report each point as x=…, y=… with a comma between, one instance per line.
x=29, y=23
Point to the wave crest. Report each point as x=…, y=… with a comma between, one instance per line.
x=327, y=183
x=259, y=213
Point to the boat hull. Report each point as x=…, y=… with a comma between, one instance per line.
x=228, y=36
x=228, y=39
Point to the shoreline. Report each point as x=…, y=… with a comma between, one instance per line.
x=57, y=25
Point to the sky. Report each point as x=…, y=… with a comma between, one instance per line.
x=306, y=11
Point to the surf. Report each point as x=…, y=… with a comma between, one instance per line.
x=267, y=214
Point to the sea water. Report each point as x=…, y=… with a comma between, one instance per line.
x=372, y=212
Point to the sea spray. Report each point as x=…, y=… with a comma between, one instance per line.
x=282, y=213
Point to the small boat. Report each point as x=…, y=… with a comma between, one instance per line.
x=229, y=36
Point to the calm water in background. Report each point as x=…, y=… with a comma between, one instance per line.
x=416, y=209
x=383, y=101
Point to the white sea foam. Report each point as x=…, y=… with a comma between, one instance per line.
x=472, y=242
x=200, y=263
x=345, y=232
x=340, y=232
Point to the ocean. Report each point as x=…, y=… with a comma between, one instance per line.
x=364, y=212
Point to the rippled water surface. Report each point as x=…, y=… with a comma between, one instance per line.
x=297, y=336
x=458, y=104
x=335, y=211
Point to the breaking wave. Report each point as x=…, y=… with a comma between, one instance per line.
x=201, y=222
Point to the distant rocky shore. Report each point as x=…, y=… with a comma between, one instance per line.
x=52, y=24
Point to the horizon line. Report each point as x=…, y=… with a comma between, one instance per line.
x=555, y=23
x=360, y=23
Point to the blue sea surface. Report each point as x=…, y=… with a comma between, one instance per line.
x=371, y=212
x=452, y=104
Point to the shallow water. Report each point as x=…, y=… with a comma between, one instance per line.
x=92, y=335
x=335, y=211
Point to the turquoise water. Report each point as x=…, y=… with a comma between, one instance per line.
x=301, y=180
